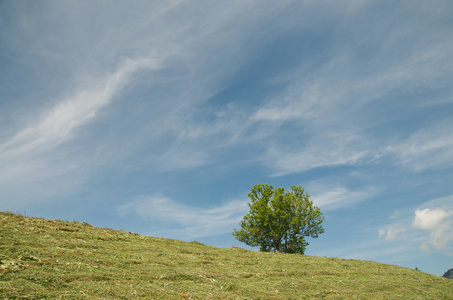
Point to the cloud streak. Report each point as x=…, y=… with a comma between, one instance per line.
x=340, y=197
x=428, y=148
x=59, y=123
x=191, y=222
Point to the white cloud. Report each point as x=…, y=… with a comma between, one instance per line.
x=390, y=232
x=430, y=218
x=191, y=222
x=439, y=224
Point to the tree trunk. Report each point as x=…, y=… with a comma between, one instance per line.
x=278, y=246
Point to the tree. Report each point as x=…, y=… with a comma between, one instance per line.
x=279, y=220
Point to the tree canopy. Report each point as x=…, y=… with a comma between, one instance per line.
x=279, y=220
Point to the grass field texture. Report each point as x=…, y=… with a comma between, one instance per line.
x=48, y=259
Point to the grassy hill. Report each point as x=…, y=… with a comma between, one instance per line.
x=68, y=260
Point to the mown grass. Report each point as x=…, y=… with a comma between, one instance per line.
x=69, y=260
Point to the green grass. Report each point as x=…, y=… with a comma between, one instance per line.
x=68, y=260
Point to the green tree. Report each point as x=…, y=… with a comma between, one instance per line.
x=279, y=220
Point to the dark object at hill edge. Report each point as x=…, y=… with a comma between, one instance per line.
x=448, y=274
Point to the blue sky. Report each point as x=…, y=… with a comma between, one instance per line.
x=158, y=117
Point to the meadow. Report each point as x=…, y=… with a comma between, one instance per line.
x=52, y=259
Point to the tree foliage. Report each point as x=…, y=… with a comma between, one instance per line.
x=279, y=220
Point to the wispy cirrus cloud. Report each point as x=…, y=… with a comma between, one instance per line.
x=190, y=222
x=60, y=122
x=330, y=195
x=329, y=151
x=114, y=54
x=428, y=148
x=334, y=107
x=32, y=161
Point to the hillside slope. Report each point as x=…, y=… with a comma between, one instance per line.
x=69, y=260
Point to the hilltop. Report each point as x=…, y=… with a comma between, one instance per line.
x=69, y=260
